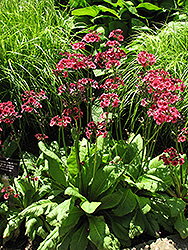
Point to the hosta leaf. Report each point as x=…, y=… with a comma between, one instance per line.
x=89, y=207
x=111, y=200
x=89, y=11
x=79, y=238
x=127, y=204
x=181, y=225
x=148, y=6
x=105, y=9
x=60, y=212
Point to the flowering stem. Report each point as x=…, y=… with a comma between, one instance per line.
x=95, y=161
x=17, y=192
x=175, y=181
x=21, y=155
x=77, y=155
x=142, y=148
x=64, y=143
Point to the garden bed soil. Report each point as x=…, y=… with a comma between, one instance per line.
x=172, y=242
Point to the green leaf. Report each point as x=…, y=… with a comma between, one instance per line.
x=60, y=212
x=89, y=207
x=119, y=230
x=89, y=11
x=181, y=225
x=87, y=170
x=148, y=6
x=104, y=179
x=83, y=149
x=96, y=111
x=130, y=6
x=118, y=3
x=127, y=204
x=144, y=204
x=74, y=192
x=111, y=200
x=51, y=240
x=105, y=9
x=136, y=225
x=49, y=153
x=65, y=241
x=79, y=238
x=71, y=221
x=151, y=183
x=99, y=234
x=54, y=165
x=176, y=205
x=30, y=227
x=72, y=162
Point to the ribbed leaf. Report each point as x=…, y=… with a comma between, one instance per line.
x=89, y=11
x=60, y=212
x=181, y=225
x=72, y=162
x=89, y=207
x=148, y=6
x=54, y=164
x=111, y=200
x=127, y=204
x=104, y=179
x=79, y=238
x=136, y=225
x=99, y=234
x=74, y=192
x=51, y=240
x=70, y=221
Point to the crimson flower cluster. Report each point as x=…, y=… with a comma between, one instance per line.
x=117, y=34
x=7, y=192
x=77, y=90
x=112, y=83
x=41, y=137
x=108, y=99
x=8, y=113
x=146, y=59
x=161, y=92
x=73, y=61
x=171, y=157
x=75, y=113
x=97, y=129
x=92, y=36
x=183, y=135
x=32, y=101
x=110, y=58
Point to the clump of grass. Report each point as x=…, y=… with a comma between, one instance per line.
x=169, y=45
x=32, y=33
